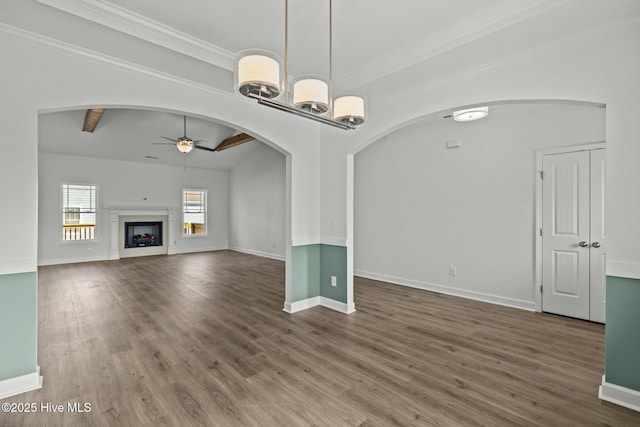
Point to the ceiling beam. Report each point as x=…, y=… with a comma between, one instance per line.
x=233, y=141
x=91, y=119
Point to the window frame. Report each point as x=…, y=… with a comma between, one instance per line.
x=96, y=210
x=205, y=212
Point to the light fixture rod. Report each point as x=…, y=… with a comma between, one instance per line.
x=330, y=53
x=286, y=50
x=302, y=113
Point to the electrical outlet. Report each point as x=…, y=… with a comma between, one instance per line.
x=334, y=281
x=452, y=271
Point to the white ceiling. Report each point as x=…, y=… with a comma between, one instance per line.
x=133, y=135
x=379, y=47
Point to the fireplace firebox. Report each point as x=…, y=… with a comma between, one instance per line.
x=142, y=234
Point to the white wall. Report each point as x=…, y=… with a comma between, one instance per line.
x=124, y=186
x=421, y=208
x=257, y=203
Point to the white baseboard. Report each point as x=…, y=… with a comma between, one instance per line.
x=305, y=304
x=337, y=305
x=195, y=250
x=22, y=384
x=478, y=296
x=71, y=260
x=258, y=253
x=294, y=307
x=619, y=395
x=111, y=257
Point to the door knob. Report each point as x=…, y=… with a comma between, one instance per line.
x=583, y=244
x=596, y=244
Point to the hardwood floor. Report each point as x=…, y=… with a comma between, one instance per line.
x=201, y=339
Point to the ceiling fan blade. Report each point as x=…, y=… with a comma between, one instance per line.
x=163, y=143
x=202, y=147
x=170, y=139
x=234, y=141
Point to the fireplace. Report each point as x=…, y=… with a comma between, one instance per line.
x=126, y=224
x=140, y=234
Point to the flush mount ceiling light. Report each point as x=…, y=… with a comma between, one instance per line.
x=258, y=76
x=470, y=114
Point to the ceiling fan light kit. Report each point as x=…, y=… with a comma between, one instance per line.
x=184, y=144
x=258, y=75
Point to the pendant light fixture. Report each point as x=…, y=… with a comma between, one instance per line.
x=258, y=75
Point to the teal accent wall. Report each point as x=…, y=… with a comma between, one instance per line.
x=305, y=262
x=312, y=268
x=333, y=262
x=19, y=324
x=622, y=332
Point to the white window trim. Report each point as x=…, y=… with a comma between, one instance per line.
x=206, y=213
x=96, y=239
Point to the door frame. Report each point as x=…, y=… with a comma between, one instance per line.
x=537, y=291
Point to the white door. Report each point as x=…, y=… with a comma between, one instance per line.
x=573, y=234
x=598, y=246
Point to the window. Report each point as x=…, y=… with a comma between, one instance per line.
x=194, y=212
x=78, y=212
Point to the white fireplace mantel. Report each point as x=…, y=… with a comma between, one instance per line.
x=114, y=215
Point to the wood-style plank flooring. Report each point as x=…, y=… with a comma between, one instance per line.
x=201, y=339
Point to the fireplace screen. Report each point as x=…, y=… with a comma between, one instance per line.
x=142, y=234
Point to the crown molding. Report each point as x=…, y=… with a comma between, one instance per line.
x=497, y=18
x=38, y=40
x=610, y=29
x=115, y=17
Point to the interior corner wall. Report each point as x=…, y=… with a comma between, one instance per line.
x=257, y=198
x=313, y=269
x=333, y=264
x=125, y=185
x=421, y=209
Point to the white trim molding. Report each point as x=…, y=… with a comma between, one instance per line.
x=305, y=240
x=136, y=25
x=619, y=395
x=463, y=293
x=337, y=305
x=294, y=307
x=334, y=241
x=22, y=384
x=74, y=260
x=492, y=19
x=17, y=266
x=277, y=257
x=305, y=304
x=40, y=41
x=629, y=270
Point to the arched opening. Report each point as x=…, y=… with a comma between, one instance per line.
x=136, y=169
x=450, y=207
